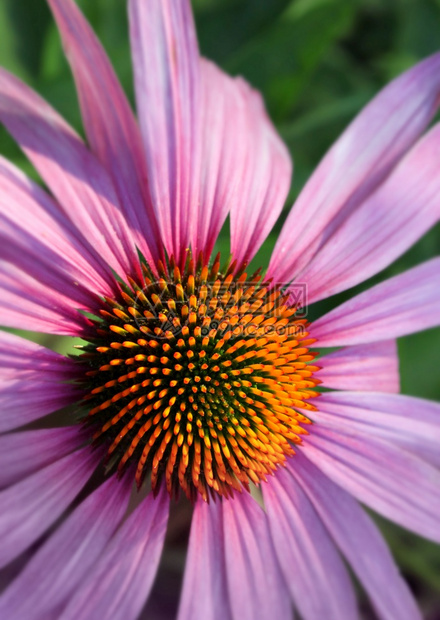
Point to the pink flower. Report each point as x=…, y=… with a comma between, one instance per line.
x=193, y=377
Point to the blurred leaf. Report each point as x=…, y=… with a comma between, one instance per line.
x=297, y=42
x=415, y=36
x=8, y=52
x=310, y=135
x=419, y=363
x=61, y=344
x=418, y=28
x=319, y=117
x=224, y=26
x=28, y=21
x=53, y=61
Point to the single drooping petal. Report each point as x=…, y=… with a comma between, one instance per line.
x=412, y=423
x=205, y=591
x=391, y=480
x=118, y=585
x=111, y=128
x=81, y=185
x=231, y=569
x=31, y=506
x=263, y=173
x=23, y=453
x=404, y=304
x=167, y=84
x=356, y=165
x=390, y=221
x=219, y=179
x=313, y=570
x=43, y=241
x=66, y=558
x=32, y=381
x=357, y=538
x=255, y=582
x=26, y=302
x=245, y=167
x=365, y=367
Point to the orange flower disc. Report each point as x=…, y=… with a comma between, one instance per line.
x=195, y=376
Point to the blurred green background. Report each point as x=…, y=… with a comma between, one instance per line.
x=317, y=63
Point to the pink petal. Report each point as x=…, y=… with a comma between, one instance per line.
x=222, y=120
x=356, y=165
x=390, y=480
x=32, y=381
x=22, y=245
x=312, y=568
x=32, y=505
x=245, y=168
x=358, y=539
x=65, y=560
x=231, y=569
x=77, y=179
x=390, y=221
x=167, y=84
x=24, y=453
x=209, y=144
x=255, y=582
x=263, y=171
x=118, y=585
x=205, y=590
x=407, y=303
x=412, y=423
x=367, y=367
x=19, y=354
x=111, y=128
x=26, y=303
x=39, y=238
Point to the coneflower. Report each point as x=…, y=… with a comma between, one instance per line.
x=197, y=377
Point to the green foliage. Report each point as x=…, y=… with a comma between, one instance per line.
x=29, y=22
x=224, y=27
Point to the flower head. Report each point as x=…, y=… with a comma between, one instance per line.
x=196, y=377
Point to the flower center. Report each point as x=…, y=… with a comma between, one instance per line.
x=194, y=378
